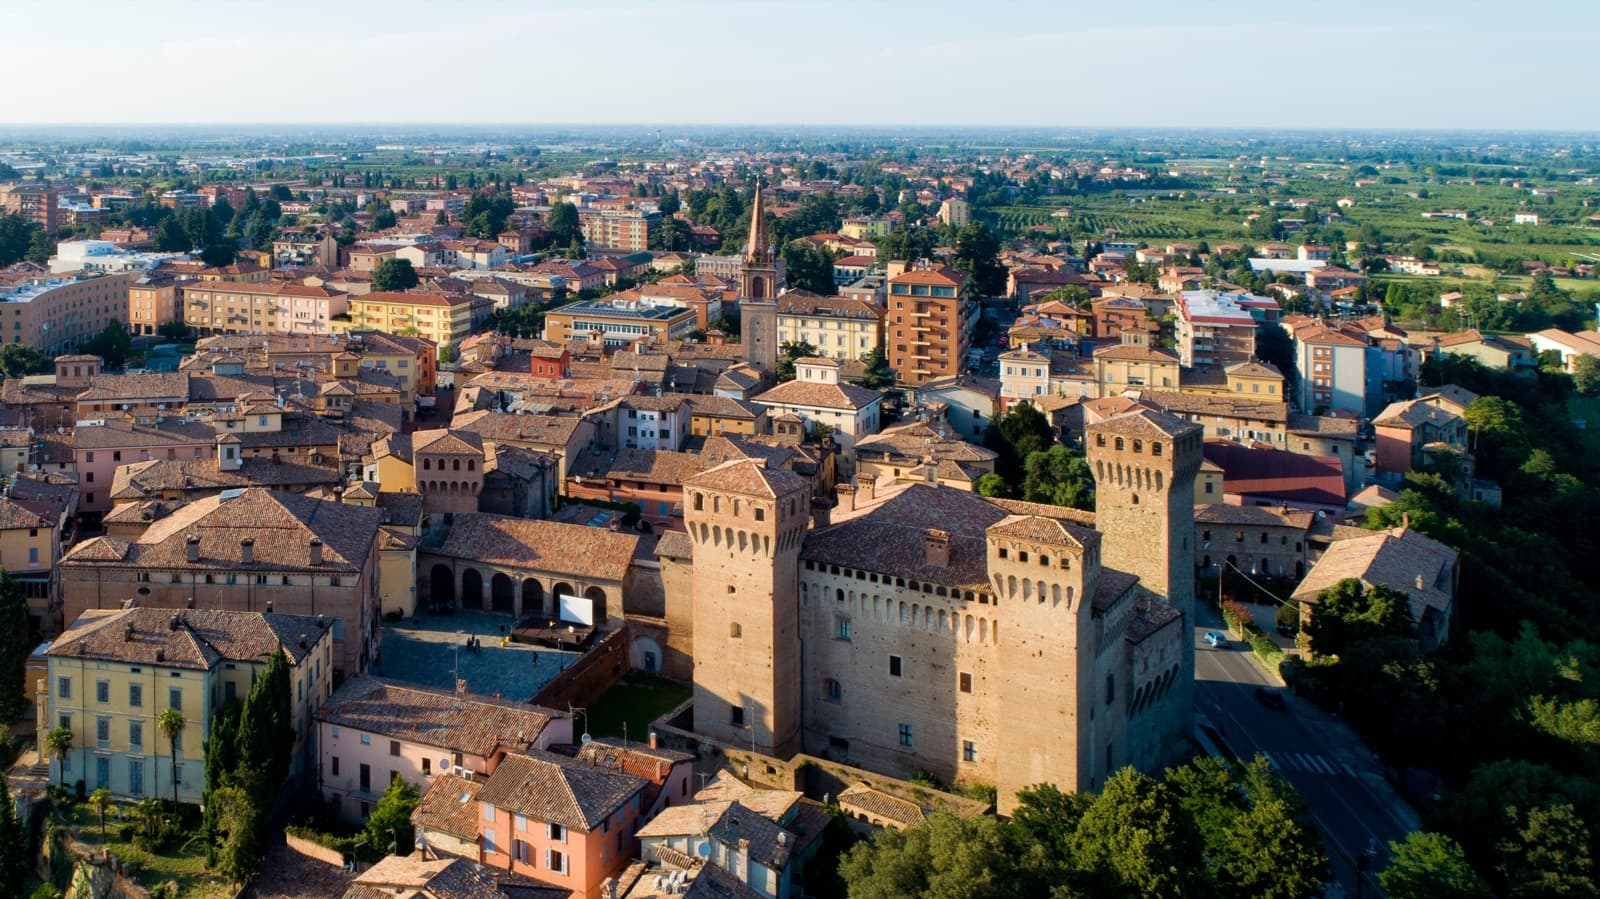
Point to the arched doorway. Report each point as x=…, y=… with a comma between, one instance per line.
x=532, y=597
x=441, y=586
x=471, y=589
x=502, y=593
x=563, y=589
x=598, y=597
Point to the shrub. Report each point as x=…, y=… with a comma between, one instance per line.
x=1236, y=615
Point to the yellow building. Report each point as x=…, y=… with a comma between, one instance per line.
x=839, y=327
x=1242, y=380
x=1130, y=366
x=113, y=673
x=441, y=318
x=713, y=415
x=34, y=513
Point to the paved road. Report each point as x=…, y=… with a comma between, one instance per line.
x=1345, y=792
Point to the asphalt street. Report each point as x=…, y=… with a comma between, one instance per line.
x=1355, y=814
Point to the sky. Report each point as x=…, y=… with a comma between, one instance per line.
x=1402, y=64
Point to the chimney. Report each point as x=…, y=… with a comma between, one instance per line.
x=192, y=547
x=821, y=515
x=322, y=621
x=269, y=607
x=303, y=641
x=930, y=471
x=847, y=497
x=652, y=739
x=127, y=633
x=866, y=488
x=316, y=550
x=247, y=551
x=937, y=543
x=1420, y=585
x=172, y=622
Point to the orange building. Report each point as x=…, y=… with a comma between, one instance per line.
x=928, y=325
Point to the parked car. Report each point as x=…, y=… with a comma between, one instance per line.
x=1215, y=639
x=1271, y=698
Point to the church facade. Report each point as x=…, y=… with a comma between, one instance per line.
x=926, y=628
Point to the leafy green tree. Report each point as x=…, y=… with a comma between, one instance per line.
x=16, y=234
x=1550, y=854
x=266, y=726
x=58, y=742
x=788, y=353
x=1058, y=476
x=384, y=219
x=100, y=801
x=1429, y=865
x=173, y=330
x=394, y=274
x=1015, y=435
x=991, y=485
x=19, y=360
x=111, y=344
x=171, y=724
x=15, y=858
x=808, y=267
x=946, y=858
x=41, y=246
x=878, y=376
x=14, y=647
x=238, y=825
x=1347, y=613
x=1134, y=840
x=1586, y=374
x=448, y=352
x=978, y=254
x=561, y=223
x=391, y=817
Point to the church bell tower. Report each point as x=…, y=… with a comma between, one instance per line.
x=758, y=288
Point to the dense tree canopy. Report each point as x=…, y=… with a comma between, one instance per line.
x=394, y=274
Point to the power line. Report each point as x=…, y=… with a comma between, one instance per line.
x=1281, y=601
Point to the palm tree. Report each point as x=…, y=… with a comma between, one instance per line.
x=58, y=743
x=171, y=723
x=100, y=801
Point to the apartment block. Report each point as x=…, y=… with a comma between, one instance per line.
x=929, y=323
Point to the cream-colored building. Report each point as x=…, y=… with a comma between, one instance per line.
x=839, y=327
x=441, y=318
x=229, y=307
x=113, y=673
x=56, y=313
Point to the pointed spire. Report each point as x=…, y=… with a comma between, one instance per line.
x=756, y=251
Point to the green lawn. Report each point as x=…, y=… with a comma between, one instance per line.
x=183, y=861
x=638, y=700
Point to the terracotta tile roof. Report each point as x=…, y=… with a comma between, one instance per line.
x=141, y=479
x=281, y=524
x=888, y=539
x=1253, y=516
x=1080, y=517
x=186, y=638
x=447, y=441
x=819, y=396
x=569, y=549
x=1134, y=353
x=749, y=478
x=413, y=877
x=1210, y=405
x=633, y=758
x=506, y=427
x=1412, y=414
x=675, y=545
x=880, y=804
x=1147, y=423
x=1052, y=531
x=553, y=788
x=1150, y=614
x=450, y=806
x=651, y=466
x=1400, y=559
x=1325, y=425
x=124, y=434
x=1254, y=370
x=473, y=725
x=1112, y=586
x=723, y=407
x=719, y=449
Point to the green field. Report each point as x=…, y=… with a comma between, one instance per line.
x=638, y=700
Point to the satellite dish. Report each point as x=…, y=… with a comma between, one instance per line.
x=586, y=739
x=444, y=764
x=703, y=850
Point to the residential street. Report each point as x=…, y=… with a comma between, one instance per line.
x=1338, y=777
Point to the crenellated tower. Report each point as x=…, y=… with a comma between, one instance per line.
x=1044, y=572
x=746, y=523
x=1144, y=465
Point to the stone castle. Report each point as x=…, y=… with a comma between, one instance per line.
x=924, y=628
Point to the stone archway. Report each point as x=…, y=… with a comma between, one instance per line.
x=563, y=589
x=471, y=589
x=532, y=597
x=442, y=585
x=502, y=593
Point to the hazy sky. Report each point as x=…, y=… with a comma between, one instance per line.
x=1223, y=63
